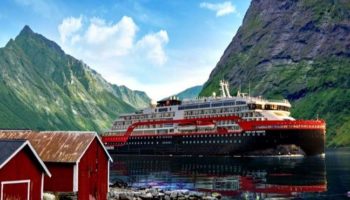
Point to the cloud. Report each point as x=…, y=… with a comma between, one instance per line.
x=221, y=9
x=152, y=46
x=98, y=41
x=110, y=39
x=69, y=26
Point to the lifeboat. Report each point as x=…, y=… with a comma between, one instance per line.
x=186, y=127
x=205, y=125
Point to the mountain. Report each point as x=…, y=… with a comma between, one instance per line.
x=137, y=99
x=294, y=49
x=43, y=88
x=190, y=93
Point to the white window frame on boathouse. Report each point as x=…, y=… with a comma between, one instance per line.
x=3, y=183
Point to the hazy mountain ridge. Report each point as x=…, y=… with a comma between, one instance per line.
x=43, y=88
x=190, y=93
x=138, y=99
x=299, y=50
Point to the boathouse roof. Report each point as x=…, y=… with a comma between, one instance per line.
x=56, y=146
x=10, y=148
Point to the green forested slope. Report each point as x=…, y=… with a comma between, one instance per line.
x=43, y=88
x=299, y=50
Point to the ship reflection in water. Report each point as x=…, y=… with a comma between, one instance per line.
x=231, y=177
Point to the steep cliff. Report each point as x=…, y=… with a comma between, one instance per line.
x=294, y=49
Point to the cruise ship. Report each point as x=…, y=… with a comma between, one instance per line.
x=239, y=125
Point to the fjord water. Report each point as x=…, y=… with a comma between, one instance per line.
x=235, y=178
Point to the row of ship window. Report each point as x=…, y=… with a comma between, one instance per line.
x=125, y=125
x=217, y=111
x=207, y=105
x=211, y=142
x=245, y=115
x=242, y=115
x=225, y=135
x=201, y=136
x=192, y=142
x=268, y=107
x=148, y=137
x=290, y=126
x=165, y=142
x=149, y=116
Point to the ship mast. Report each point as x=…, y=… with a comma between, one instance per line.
x=227, y=90
x=224, y=87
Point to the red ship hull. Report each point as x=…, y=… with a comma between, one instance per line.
x=255, y=138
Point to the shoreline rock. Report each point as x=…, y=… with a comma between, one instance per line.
x=124, y=193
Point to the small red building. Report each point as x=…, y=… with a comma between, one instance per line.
x=78, y=161
x=21, y=171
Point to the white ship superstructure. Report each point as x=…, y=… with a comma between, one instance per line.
x=242, y=105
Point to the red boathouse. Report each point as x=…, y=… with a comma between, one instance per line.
x=21, y=171
x=78, y=161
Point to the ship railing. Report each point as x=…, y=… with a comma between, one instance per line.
x=279, y=101
x=131, y=128
x=266, y=100
x=209, y=99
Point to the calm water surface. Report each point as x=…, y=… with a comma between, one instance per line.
x=241, y=178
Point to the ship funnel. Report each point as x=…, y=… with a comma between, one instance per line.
x=153, y=103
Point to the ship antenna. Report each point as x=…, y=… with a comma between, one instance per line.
x=249, y=89
x=227, y=89
x=222, y=88
x=239, y=90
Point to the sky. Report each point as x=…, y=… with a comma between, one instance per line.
x=158, y=46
